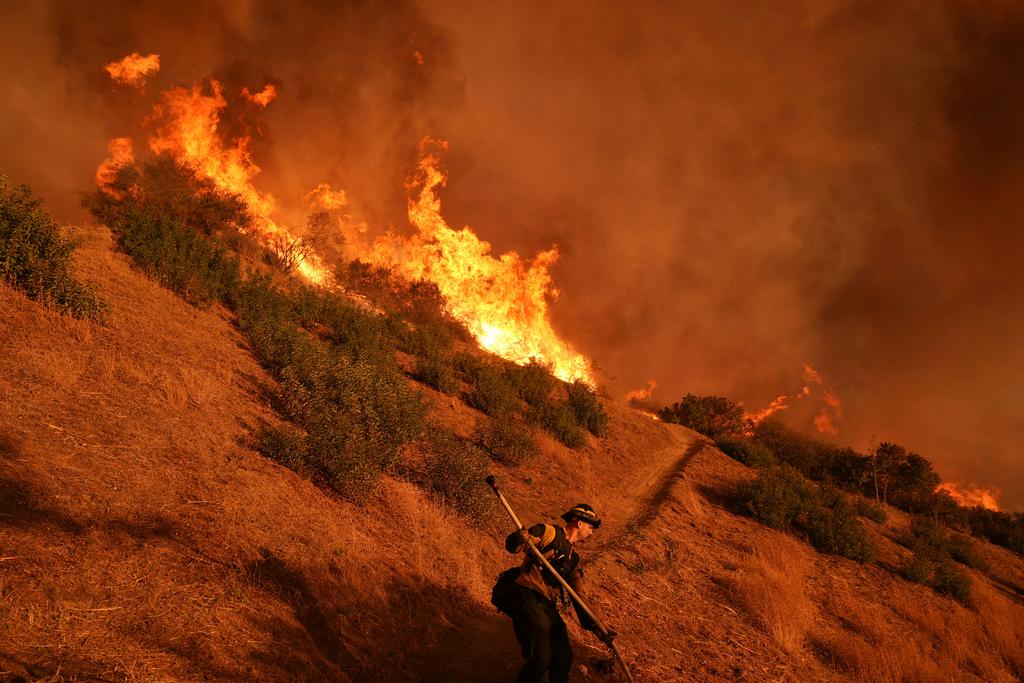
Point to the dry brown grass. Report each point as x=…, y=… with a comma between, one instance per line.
x=770, y=587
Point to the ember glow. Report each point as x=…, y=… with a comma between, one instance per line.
x=134, y=69
x=972, y=495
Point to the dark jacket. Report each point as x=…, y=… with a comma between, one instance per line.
x=558, y=551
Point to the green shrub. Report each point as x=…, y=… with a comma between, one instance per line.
x=782, y=499
x=712, y=416
x=932, y=567
x=964, y=551
x=454, y=471
x=560, y=421
x=746, y=451
x=776, y=498
x=437, y=373
x=836, y=530
x=506, y=440
x=871, y=510
x=492, y=393
x=357, y=416
x=533, y=382
x=181, y=260
x=953, y=581
x=918, y=568
x=589, y=412
x=36, y=259
x=172, y=192
x=429, y=339
x=285, y=445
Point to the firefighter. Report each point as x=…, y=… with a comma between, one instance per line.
x=538, y=624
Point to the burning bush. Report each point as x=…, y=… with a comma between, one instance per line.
x=713, y=416
x=36, y=259
x=162, y=187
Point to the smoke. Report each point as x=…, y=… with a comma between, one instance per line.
x=735, y=189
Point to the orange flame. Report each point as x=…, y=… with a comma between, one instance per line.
x=502, y=301
x=121, y=154
x=825, y=421
x=972, y=495
x=134, y=69
x=190, y=134
x=777, y=404
x=263, y=97
x=323, y=197
x=642, y=394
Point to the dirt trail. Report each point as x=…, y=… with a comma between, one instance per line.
x=656, y=495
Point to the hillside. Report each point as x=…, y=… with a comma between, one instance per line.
x=143, y=538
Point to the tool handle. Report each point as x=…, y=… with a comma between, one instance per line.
x=565, y=584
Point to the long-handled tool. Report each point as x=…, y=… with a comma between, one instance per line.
x=547, y=565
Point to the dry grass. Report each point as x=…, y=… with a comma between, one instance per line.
x=770, y=587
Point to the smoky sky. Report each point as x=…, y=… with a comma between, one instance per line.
x=736, y=189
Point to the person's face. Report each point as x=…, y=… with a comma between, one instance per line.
x=585, y=530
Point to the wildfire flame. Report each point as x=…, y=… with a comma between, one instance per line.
x=825, y=421
x=263, y=97
x=121, y=154
x=642, y=394
x=189, y=132
x=502, y=301
x=972, y=495
x=134, y=69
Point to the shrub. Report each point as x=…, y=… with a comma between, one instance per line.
x=836, y=530
x=931, y=567
x=871, y=510
x=746, y=451
x=492, y=393
x=437, y=373
x=782, y=499
x=713, y=416
x=533, y=382
x=560, y=420
x=172, y=192
x=429, y=339
x=589, y=412
x=506, y=440
x=181, y=260
x=357, y=416
x=285, y=445
x=36, y=259
x=953, y=581
x=454, y=471
x=776, y=498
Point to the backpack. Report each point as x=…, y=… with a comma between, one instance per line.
x=506, y=592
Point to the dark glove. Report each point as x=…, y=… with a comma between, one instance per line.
x=607, y=637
